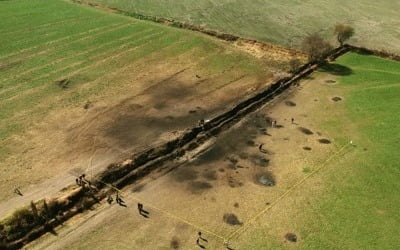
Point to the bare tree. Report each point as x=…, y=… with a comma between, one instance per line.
x=315, y=47
x=343, y=32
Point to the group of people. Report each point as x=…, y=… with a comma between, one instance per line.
x=274, y=122
x=122, y=203
x=82, y=181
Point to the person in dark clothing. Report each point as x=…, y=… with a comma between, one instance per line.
x=109, y=199
x=201, y=237
x=140, y=207
x=17, y=191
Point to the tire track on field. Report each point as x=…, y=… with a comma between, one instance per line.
x=44, y=104
x=46, y=43
x=56, y=41
x=80, y=70
x=15, y=77
x=64, y=45
x=42, y=32
x=40, y=26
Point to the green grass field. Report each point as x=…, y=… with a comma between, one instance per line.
x=281, y=22
x=359, y=203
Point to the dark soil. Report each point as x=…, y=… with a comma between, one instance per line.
x=236, y=204
x=305, y=131
x=199, y=186
x=64, y=83
x=185, y=174
x=260, y=161
x=266, y=179
x=175, y=243
x=324, y=141
x=233, y=183
x=210, y=175
x=231, y=219
x=250, y=143
x=87, y=105
x=138, y=188
x=243, y=156
x=307, y=148
x=336, y=99
x=232, y=159
x=290, y=103
x=291, y=237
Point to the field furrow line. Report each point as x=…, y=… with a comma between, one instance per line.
x=44, y=25
x=118, y=71
x=37, y=93
x=7, y=98
x=63, y=45
x=62, y=39
x=124, y=68
x=14, y=77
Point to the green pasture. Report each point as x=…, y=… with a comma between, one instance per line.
x=359, y=202
x=281, y=22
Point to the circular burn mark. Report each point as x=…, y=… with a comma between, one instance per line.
x=330, y=81
x=175, y=243
x=266, y=179
x=260, y=161
x=336, y=99
x=305, y=131
x=324, y=141
x=231, y=219
x=290, y=103
x=291, y=237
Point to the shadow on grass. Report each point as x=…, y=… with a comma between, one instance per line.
x=336, y=69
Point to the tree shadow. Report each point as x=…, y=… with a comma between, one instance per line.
x=336, y=69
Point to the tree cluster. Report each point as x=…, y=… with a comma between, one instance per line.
x=317, y=47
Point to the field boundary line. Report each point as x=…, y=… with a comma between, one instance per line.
x=285, y=194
